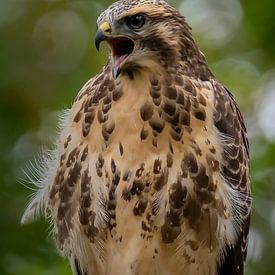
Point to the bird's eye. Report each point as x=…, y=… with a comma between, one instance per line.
x=136, y=22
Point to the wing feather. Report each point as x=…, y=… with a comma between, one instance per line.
x=229, y=122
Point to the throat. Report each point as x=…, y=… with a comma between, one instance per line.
x=142, y=68
x=131, y=74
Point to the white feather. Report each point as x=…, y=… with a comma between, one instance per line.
x=40, y=174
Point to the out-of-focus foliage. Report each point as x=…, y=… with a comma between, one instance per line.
x=46, y=55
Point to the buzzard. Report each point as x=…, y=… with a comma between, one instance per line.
x=150, y=173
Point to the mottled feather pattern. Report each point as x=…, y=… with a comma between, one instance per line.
x=229, y=122
x=150, y=173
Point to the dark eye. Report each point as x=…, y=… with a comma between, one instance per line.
x=135, y=22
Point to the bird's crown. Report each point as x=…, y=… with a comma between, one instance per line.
x=118, y=8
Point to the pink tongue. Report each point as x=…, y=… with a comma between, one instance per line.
x=119, y=60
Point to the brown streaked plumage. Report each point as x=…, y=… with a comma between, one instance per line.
x=150, y=173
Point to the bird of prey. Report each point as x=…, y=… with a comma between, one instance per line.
x=150, y=173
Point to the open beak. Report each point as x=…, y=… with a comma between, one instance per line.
x=121, y=46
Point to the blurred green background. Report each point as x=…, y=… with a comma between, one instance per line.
x=46, y=55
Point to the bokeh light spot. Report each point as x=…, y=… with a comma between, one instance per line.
x=60, y=40
x=214, y=21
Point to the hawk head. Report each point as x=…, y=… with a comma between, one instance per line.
x=141, y=34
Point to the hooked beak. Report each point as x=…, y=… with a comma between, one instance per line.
x=121, y=46
x=102, y=33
